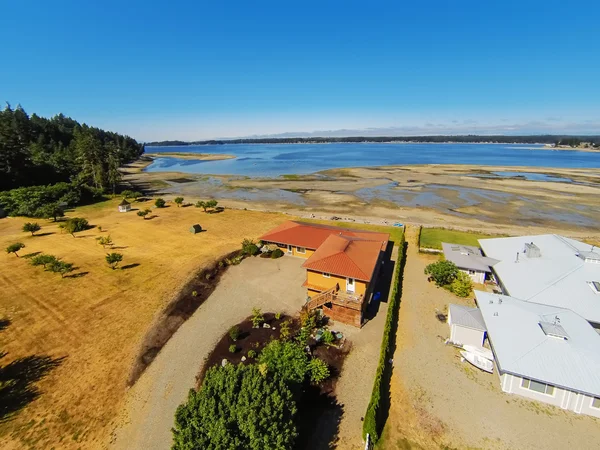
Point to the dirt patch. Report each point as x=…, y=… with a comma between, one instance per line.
x=195, y=292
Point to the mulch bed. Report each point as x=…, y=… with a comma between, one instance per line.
x=319, y=413
x=177, y=312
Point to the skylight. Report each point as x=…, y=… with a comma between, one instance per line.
x=554, y=329
x=594, y=286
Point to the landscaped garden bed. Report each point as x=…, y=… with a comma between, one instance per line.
x=299, y=361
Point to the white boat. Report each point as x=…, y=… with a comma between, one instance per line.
x=480, y=351
x=478, y=361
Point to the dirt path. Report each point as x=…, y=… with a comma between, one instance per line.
x=272, y=285
x=436, y=400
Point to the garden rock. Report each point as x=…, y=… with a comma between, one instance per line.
x=266, y=325
x=224, y=362
x=243, y=358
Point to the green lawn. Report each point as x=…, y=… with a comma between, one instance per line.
x=433, y=237
x=394, y=232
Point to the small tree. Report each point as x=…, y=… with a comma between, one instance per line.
x=443, y=272
x=461, y=285
x=178, y=201
x=113, y=259
x=287, y=359
x=143, y=213
x=234, y=333
x=14, y=248
x=61, y=267
x=249, y=248
x=284, y=330
x=201, y=204
x=251, y=354
x=257, y=318
x=160, y=203
x=212, y=204
x=43, y=260
x=105, y=241
x=51, y=211
x=136, y=195
x=318, y=370
x=75, y=225
x=232, y=348
x=277, y=253
x=126, y=194
x=31, y=227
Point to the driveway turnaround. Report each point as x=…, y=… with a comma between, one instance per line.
x=149, y=413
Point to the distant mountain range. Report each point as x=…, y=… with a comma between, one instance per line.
x=570, y=140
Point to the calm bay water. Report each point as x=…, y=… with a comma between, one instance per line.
x=272, y=160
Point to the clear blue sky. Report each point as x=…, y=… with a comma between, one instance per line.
x=192, y=70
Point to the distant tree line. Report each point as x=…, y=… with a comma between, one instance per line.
x=56, y=161
x=472, y=138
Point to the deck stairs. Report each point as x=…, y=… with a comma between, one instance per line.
x=334, y=296
x=320, y=299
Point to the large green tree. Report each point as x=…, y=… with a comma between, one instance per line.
x=237, y=407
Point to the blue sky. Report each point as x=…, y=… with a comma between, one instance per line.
x=195, y=70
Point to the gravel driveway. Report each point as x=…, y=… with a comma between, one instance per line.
x=272, y=285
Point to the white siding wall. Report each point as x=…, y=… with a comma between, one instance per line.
x=464, y=335
x=477, y=277
x=562, y=398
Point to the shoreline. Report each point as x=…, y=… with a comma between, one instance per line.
x=450, y=196
x=191, y=156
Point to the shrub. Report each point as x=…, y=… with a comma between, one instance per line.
x=160, y=203
x=251, y=354
x=328, y=337
x=234, y=333
x=50, y=211
x=462, y=285
x=308, y=319
x=75, y=225
x=212, y=204
x=287, y=359
x=14, y=248
x=113, y=259
x=143, y=213
x=277, y=253
x=318, y=370
x=31, y=227
x=277, y=315
x=257, y=318
x=201, y=204
x=105, y=241
x=284, y=330
x=178, y=201
x=237, y=407
x=249, y=248
x=376, y=412
x=194, y=293
x=232, y=348
x=443, y=272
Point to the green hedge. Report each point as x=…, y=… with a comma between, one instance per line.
x=378, y=406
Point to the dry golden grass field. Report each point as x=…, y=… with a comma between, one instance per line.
x=96, y=320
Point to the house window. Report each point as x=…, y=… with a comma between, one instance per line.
x=536, y=386
x=471, y=272
x=595, y=403
x=594, y=286
x=300, y=250
x=326, y=275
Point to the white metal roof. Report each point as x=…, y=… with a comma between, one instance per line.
x=521, y=346
x=558, y=277
x=467, y=257
x=466, y=317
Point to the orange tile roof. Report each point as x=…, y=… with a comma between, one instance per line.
x=347, y=256
x=309, y=235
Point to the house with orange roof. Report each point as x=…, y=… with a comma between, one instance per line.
x=341, y=265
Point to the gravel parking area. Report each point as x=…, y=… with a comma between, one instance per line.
x=272, y=285
x=437, y=400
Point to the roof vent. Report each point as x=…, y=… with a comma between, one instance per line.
x=554, y=329
x=532, y=250
x=590, y=257
x=594, y=286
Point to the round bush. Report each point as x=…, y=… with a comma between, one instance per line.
x=277, y=253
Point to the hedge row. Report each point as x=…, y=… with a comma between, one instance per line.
x=378, y=406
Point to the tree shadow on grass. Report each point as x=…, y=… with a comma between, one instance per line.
x=4, y=323
x=130, y=266
x=30, y=255
x=44, y=234
x=17, y=382
x=76, y=275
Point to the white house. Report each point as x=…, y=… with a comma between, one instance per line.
x=124, y=206
x=548, y=269
x=466, y=325
x=469, y=260
x=543, y=352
